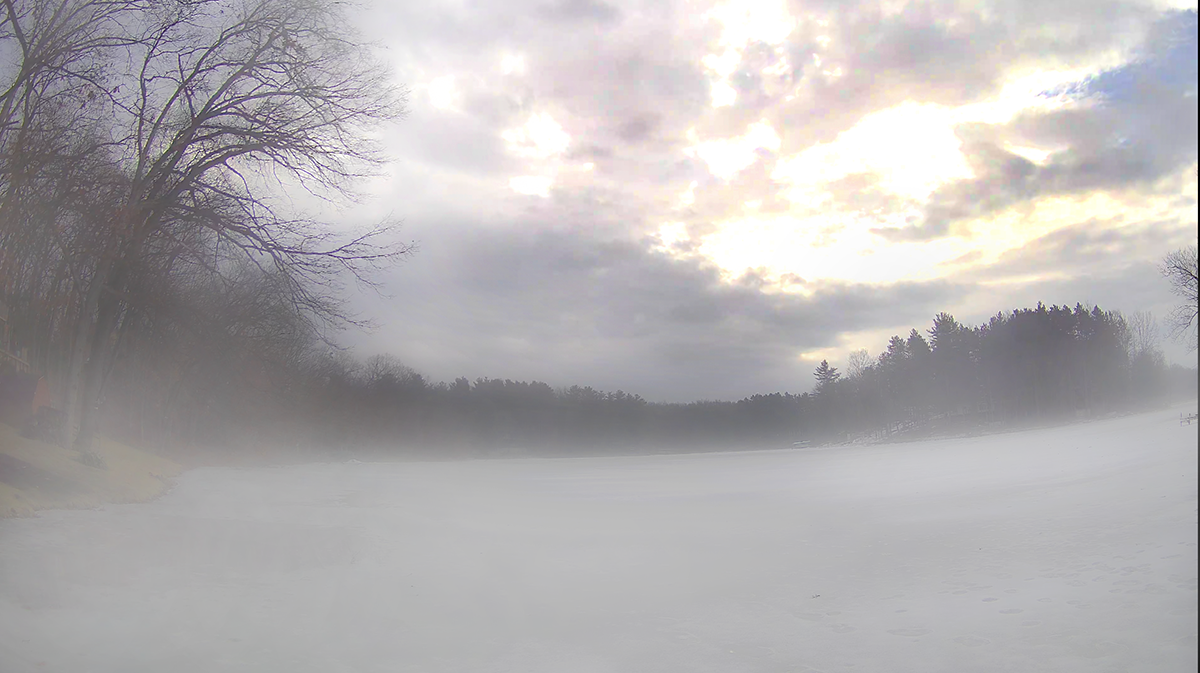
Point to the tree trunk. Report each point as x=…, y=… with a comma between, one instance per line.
x=96, y=371
x=83, y=345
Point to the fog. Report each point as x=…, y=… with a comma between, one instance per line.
x=1065, y=549
x=811, y=337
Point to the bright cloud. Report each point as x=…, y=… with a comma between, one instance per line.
x=541, y=137
x=841, y=246
x=914, y=148
x=743, y=23
x=442, y=93
x=542, y=140
x=1034, y=154
x=1025, y=92
x=909, y=151
x=727, y=157
x=911, y=147
x=753, y=21
x=512, y=64
x=671, y=233
x=531, y=185
x=723, y=94
x=829, y=248
x=688, y=198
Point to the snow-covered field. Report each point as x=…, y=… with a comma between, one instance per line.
x=1070, y=549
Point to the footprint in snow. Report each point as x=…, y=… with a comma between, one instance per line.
x=971, y=641
x=908, y=632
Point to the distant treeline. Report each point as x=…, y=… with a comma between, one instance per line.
x=1027, y=366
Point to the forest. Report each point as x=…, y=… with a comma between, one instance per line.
x=1025, y=367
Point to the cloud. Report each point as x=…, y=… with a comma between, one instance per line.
x=580, y=10
x=587, y=215
x=535, y=302
x=452, y=142
x=1128, y=128
x=1089, y=248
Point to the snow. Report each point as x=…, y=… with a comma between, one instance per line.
x=1067, y=549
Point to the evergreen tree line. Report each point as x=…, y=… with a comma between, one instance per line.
x=1028, y=366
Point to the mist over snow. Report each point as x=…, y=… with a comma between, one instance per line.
x=598, y=336
x=1063, y=550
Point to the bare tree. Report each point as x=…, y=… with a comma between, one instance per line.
x=56, y=173
x=220, y=106
x=857, y=363
x=56, y=42
x=1143, y=330
x=1179, y=268
x=382, y=372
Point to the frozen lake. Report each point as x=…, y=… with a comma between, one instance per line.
x=1069, y=549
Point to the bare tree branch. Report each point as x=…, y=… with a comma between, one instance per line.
x=1179, y=268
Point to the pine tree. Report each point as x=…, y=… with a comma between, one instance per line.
x=826, y=376
x=918, y=347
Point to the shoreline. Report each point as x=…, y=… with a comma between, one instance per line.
x=37, y=476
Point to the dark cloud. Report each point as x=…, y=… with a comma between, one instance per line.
x=638, y=128
x=580, y=10
x=570, y=307
x=454, y=142
x=589, y=151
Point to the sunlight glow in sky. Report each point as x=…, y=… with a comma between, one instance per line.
x=726, y=157
x=1034, y=154
x=512, y=64
x=541, y=137
x=538, y=140
x=531, y=185
x=742, y=24
x=843, y=249
x=839, y=248
x=911, y=147
x=672, y=233
x=910, y=150
x=688, y=197
x=442, y=94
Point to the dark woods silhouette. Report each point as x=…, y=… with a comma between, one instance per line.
x=1028, y=366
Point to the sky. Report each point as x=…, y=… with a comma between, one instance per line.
x=702, y=200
